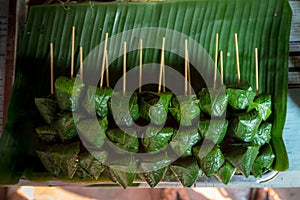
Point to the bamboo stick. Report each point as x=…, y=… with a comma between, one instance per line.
x=103, y=61
x=51, y=69
x=141, y=66
x=124, y=70
x=216, y=61
x=72, y=51
x=81, y=62
x=237, y=58
x=161, y=65
x=256, y=72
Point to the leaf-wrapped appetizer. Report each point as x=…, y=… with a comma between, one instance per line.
x=186, y=170
x=96, y=100
x=240, y=96
x=214, y=103
x=183, y=141
x=125, y=113
x=123, y=171
x=242, y=157
x=263, y=161
x=65, y=126
x=126, y=140
x=60, y=159
x=67, y=92
x=92, y=132
x=46, y=108
x=209, y=157
x=262, y=104
x=226, y=172
x=46, y=133
x=245, y=126
x=155, y=168
x=185, y=109
x=214, y=131
x=91, y=165
x=154, y=106
x=263, y=134
x=156, y=139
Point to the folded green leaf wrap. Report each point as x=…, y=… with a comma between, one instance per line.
x=46, y=108
x=125, y=115
x=92, y=131
x=209, y=157
x=154, y=106
x=156, y=139
x=155, y=169
x=124, y=171
x=46, y=133
x=96, y=100
x=65, y=126
x=185, y=109
x=183, y=141
x=240, y=96
x=262, y=104
x=60, y=159
x=245, y=126
x=225, y=172
x=213, y=130
x=263, y=134
x=126, y=140
x=67, y=92
x=91, y=164
x=242, y=157
x=186, y=170
x=263, y=161
x=214, y=103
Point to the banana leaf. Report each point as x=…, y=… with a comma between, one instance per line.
x=214, y=131
x=183, y=141
x=156, y=139
x=186, y=170
x=154, y=106
x=214, y=103
x=198, y=20
x=92, y=132
x=125, y=114
x=242, y=157
x=96, y=100
x=47, y=133
x=263, y=134
x=245, y=126
x=60, y=159
x=262, y=104
x=185, y=109
x=225, y=173
x=209, y=157
x=67, y=92
x=155, y=168
x=126, y=140
x=240, y=96
x=89, y=166
x=263, y=161
x=65, y=126
x=46, y=108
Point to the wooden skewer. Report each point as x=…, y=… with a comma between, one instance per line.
x=51, y=69
x=124, y=70
x=188, y=72
x=72, y=51
x=185, y=69
x=103, y=61
x=161, y=65
x=221, y=66
x=81, y=62
x=216, y=61
x=256, y=71
x=237, y=57
x=141, y=66
x=106, y=67
x=164, y=75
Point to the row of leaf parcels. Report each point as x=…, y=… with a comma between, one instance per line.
x=238, y=143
